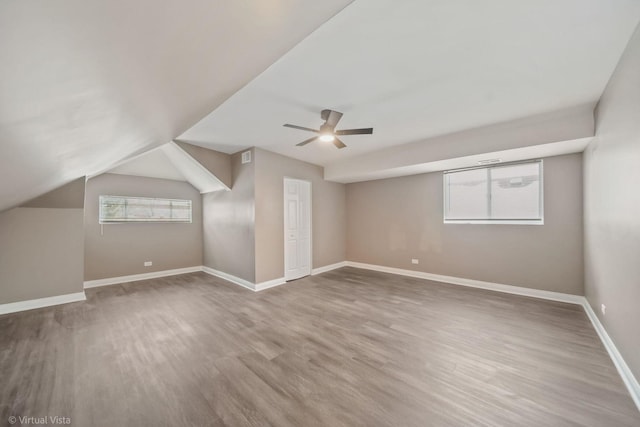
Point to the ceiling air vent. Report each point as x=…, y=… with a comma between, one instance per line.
x=246, y=157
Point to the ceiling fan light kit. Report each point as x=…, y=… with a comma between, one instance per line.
x=327, y=137
x=328, y=132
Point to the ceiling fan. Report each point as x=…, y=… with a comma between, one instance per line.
x=328, y=132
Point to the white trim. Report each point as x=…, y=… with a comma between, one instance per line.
x=31, y=304
x=136, y=277
x=496, y=221
x=498, y=287
x=230, y=278
x=255, y=287
x=269, y=284
x=623, y=369
x=329, y=267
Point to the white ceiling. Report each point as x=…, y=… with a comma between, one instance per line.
x=87, y=83
x=417, y=69
x=152, y=164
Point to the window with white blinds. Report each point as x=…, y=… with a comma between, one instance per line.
x=502, y=194
x=122, y=209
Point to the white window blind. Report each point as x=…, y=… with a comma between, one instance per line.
x=510, y=193
x=116, y=209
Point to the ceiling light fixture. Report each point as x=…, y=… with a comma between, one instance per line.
x=327, y=137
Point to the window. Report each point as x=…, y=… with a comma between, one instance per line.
x=115, y=209
x=503, y=194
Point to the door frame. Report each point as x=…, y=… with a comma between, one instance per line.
x=284, y=222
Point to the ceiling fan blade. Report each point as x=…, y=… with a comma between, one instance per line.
x=338, y=143
x=364, y=131
x=306, y=141
x=301, y=128
x=334, y=118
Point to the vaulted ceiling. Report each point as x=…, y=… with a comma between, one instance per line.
x=86, y=84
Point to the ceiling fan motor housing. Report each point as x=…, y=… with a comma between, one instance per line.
x=324, y=114
x=326, y=128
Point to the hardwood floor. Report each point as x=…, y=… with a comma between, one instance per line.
x=346, y=348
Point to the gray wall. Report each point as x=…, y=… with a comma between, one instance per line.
x=122, y=249
x=41, y=248
x=391, y=221
x=612, y=207
x=228, y=222
x=328, y=214
x=68, y=196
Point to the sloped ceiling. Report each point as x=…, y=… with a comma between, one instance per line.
x=418, y=69
x=152, y=164
x=87, y=83
x=195, y=172
x=204, y=169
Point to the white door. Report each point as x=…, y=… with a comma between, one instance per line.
x=297, y=228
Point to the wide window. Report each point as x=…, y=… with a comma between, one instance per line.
x=502, y=194
x=114, y=209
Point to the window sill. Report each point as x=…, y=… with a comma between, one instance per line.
x=496, y=222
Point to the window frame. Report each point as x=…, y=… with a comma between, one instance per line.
x=103, y=221
x=500, y=221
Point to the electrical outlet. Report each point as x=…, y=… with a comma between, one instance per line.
x=603, y=309
x=415, y=261
x=148, y=263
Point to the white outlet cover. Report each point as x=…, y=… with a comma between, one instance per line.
x=148, y=263
x=415, y=261
x=603, y=308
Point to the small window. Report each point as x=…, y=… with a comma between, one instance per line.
x=504, y=194
x=115, y=209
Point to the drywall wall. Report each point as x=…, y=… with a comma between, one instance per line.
x=114, y=250
x=41, y=246
x=391, y=221
x=41, y=253
x=70, y=195
x=612, y=208
x=328, y=212
x=228, y=223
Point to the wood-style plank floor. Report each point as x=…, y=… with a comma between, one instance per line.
x=346, y=348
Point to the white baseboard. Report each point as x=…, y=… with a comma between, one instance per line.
x=269, y=284
x=138, y=277
x=256, y=287
x=498, y=287
x=329, y=267
x=229, y=278
x=31, y=304
x=623, y=369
